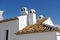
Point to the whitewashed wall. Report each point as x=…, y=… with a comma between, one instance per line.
x=37, y=36
x=11, y=26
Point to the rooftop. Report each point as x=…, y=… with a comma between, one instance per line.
x=37, y=28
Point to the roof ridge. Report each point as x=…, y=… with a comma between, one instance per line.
x=6, y=20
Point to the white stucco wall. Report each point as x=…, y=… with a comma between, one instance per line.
x=37, y=36
x=11, y=26
x=22, y=21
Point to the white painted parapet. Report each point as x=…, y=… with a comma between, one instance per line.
x=37, y=36
x=40, y=16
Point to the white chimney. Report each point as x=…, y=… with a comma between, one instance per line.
x=32, y=17
x=24, y=11
x=1, y=15
x=23, y=19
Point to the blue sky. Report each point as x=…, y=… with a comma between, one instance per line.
x=48, y=8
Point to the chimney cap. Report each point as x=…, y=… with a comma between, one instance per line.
x=32, y=11
x=41, y=16
x=24, y=9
